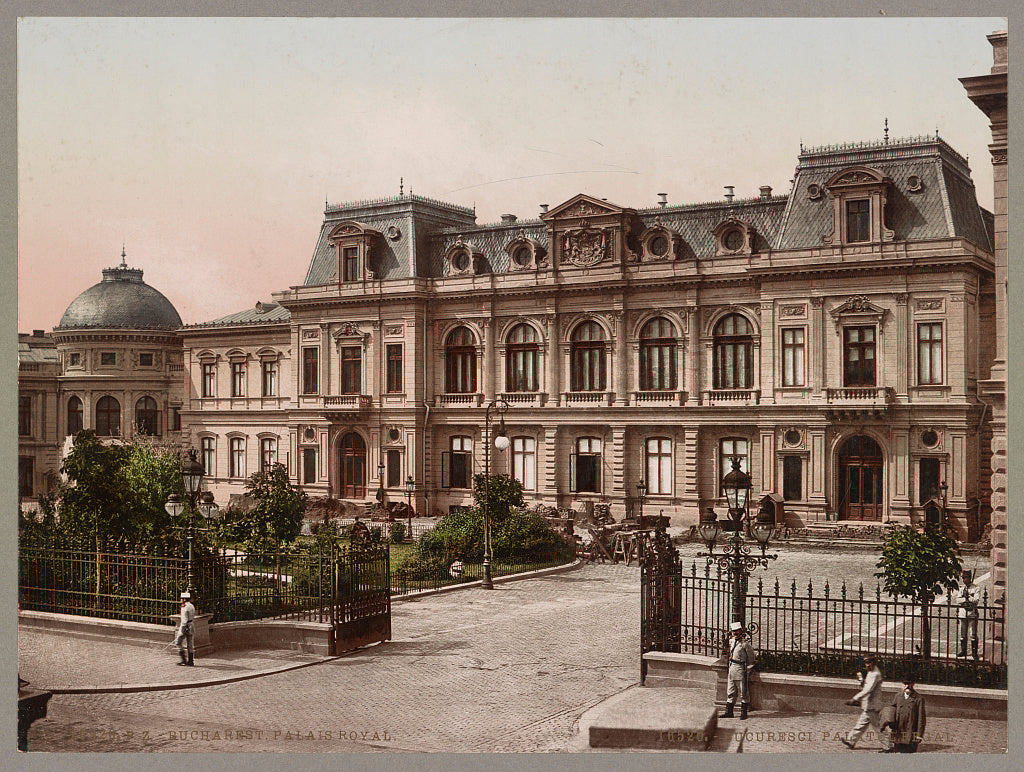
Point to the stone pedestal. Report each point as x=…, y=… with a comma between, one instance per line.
x=201, y=626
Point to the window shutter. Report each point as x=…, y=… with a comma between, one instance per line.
x=446, y=461
x=572, y=473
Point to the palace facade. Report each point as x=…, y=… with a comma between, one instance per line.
x=831, y=339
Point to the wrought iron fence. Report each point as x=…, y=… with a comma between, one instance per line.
x=120, y=581
x=819, y=631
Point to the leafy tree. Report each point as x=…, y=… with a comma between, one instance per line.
x=503, y=494
x=918, y=565
x=277, y=517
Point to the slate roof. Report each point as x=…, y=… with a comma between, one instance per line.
x=121, y=300
x=944, y=207
x=261, y=313
x=34, y=349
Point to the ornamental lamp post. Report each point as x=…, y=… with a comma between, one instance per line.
x=501, y=442
x=380, y=481
x=191, y=478
x=736, y=558
x=410, y=486
x=641, y=494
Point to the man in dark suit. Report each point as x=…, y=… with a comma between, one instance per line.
x=909, y=719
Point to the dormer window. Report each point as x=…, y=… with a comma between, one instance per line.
x=524, y=254
x=353, y=242
x=658, y=243
x=463, y=259
x=859, y=196
x=734, y=237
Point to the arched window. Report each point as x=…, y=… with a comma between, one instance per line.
x=145, y=415
x=460, y=362
x=236, y=459
x=588, y=358
x=75, y=416
x=521, y=357
x=108, y=417
x=734, y=353
x=658, y=355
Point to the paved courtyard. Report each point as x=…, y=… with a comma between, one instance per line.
x=511, y=669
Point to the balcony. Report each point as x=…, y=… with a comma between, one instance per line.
x=459, y=400
x=732, y=397
x=659, y=398
x=346, y=407
x=855, y=402
x=589, y=398
x=524, y=398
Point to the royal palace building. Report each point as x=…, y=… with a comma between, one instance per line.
x=832, y=340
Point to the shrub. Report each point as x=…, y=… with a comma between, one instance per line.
x=397, y=532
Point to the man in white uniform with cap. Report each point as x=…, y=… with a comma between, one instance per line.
x=741, y=662
x=185, y=637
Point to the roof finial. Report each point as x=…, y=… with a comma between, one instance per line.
x=801, y=145
x=401, y=186
x=124, y=264
x=887, y=131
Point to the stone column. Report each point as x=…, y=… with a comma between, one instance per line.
x=816, y=349
x=766, y=380
x=552, y=360
x=621, y=366
x=905, y=340
x=488, y=328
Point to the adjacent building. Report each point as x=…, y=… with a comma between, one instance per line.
x=832, y=340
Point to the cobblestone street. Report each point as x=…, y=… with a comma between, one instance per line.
x=511, y=669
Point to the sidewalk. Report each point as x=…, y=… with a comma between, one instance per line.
x=69, y=665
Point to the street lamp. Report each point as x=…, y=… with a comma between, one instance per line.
x=736, y=557
x=380, y=481
x=191, y=478
x=501, y=442
x=641, y=494
x=410, y=486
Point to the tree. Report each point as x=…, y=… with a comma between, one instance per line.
x=277, y=516
x=503, y=493
x=918, y=565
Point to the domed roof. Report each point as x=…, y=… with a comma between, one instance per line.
x=122, y=300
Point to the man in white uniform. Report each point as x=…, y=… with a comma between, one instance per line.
x=741, y=662
x=870, y=700
x=185, y=637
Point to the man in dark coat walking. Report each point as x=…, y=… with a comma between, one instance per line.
x=909, y=720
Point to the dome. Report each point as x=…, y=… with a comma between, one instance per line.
x=122, y=300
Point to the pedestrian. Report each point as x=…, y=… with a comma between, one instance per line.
x=966, y=600
x=869, y=698
x=185, y=637
x=741, y=663
x=909, y=720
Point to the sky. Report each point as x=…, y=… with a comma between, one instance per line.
x=206, y=148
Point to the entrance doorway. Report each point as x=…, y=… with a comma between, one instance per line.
x=860, y=479
x=353, y=467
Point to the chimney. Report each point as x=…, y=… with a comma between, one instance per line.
x=38, y=334
x=663, y=200
x=729, y=192
x=508, y=219
x=766, y=191
x=543, y=208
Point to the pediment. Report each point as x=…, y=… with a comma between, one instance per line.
x=858, y=309
x=352, y=228
x=582, y=205
x=857, y=176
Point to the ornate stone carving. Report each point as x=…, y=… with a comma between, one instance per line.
x=582, y=209
x=393, y=329
x=585, y=247
x=901, y=298
x=311, y=334
x=854, y=178
x=790, y=312
x=929, y=305
x=817, y=302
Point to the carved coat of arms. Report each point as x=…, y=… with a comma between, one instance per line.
x=585, y=247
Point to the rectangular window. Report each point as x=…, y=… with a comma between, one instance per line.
x=145, y=360
x=394, y=367
x=208, y=451
x=394, y=464
x=175, y=419
x=25, y=486
x=309, y=465
x=929, y=353
x=108, y=358
x=269, y=368
x=268, y=453
x=75, y=360
x=350, y=263
x=928, y=480
x=659, y=466
x=209, y=379
x=793, y=356
x=585, y=466
x=524, y=462
x=237, y=457
x=351, y=369
x=792, y=478
x=24, y=415
x=460, y=463
x=238, y=379
x=310, y=370
x=858, y=356
x=857, y=220
x=732, y=448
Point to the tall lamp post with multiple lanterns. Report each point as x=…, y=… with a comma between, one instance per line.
x=501, y=442
x=641, y=494
x=192, y=478
x=736, y=557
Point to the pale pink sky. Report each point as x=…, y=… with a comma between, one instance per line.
x=208, y=146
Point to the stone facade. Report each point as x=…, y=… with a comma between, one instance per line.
x=831, y=339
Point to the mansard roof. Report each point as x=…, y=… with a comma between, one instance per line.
x=261, y=313
x=931, y=195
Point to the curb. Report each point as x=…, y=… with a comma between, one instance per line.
x=476, y=583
